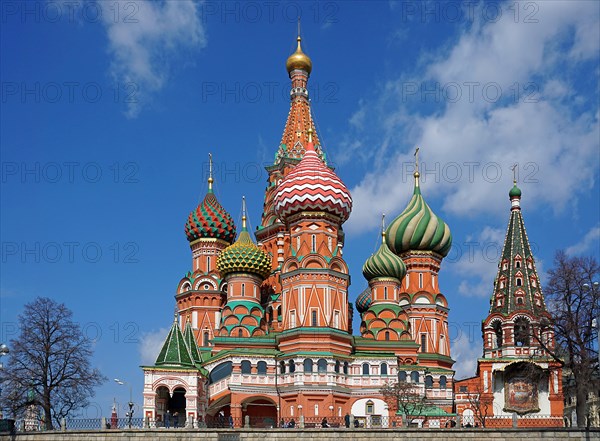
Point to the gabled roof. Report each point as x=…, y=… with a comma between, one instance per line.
x=190, y=342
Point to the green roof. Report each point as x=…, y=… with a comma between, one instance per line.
x=432, y=411
x=174, y=351
x=190, y=341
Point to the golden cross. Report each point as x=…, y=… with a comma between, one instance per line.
x=417, y=159
x=514, y=170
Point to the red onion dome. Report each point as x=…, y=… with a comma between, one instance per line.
x=312, y=186
x=210, y=220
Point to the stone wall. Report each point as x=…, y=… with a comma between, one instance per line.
x=311, y=434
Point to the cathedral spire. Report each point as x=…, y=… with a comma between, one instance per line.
x=517, y=286
x=210, y=173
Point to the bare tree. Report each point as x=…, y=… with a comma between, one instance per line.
x=574, y=301
x=49, y=364
x=480, y=404
x=405, y=398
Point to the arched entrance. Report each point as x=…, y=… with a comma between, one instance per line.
x=262, y=412
x=177, y=407
x=162, y=403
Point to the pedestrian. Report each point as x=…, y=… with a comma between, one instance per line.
x=324, y=423
x=175, y=419
x=230, y=421
x=282, y=423
x=292, y=423
x=168, y=419
x=347, y=421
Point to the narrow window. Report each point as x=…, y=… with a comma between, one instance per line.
x=519, y=281
x=370, y=408
x=246, y=367
x=316, y=409
x=428, y=382
x=205, y=338
x=346, y=368
x=420, y=280
x=384, y=369
x=385, y=293
x=313, y=244
x=308, y=366
x=207, y=263
x=433, y=280
x=322, y=366
x=292, y=319
x=336, y=319
x=387, y=335
x=291, y=410
x=402, y=376
x=313, y=318
x=297, y=243
x=282, y=367
x=414, y=377
x=365, y=369
x=329, y=243
x=518, y=264
x=337, y=366
x=292, y=366
x=443, y=382
x=240, y=333
x=423, y=343
x=261, y=368
x=243, y=289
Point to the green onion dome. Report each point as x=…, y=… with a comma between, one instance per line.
x=244, y=257
x=210, y=220
x=384, y=263
x=418, y=228
x=514, y=192
x=364, y=300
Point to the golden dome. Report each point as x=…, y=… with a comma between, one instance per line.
x=298, y=60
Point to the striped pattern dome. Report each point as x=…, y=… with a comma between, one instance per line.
x=364, y=300
x=312, y=186
x=384, y=263
x=210, y=220
x=418, y=228
x=244, y=257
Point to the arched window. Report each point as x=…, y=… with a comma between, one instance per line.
x=518, y=264
x=346, y=367
x=365, y=369
x=420, y=280
x=402, y=376
x=282, y=367
x=313, y=246
x=246, y=367
x=519, y=281
x=261, y=368
x=308, y=365
x=443, y=382
x=385, y=293
x=497, y=326
x=414, y=377
x=521, y=332
x=221, y=371
x=387, y=335
x=428, y=381
x=384, y=369
x=243, y=289
x=370, y=408
x=240, y=333
x=337, y=366
x=205, y=338
x=322, y=366
x=208, y=263
x=292, y=366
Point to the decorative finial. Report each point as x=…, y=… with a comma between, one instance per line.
x=416, y=173
x=244, y=212
x=514, y=170
x=210, y=172
x=310, y=132
x=175, y=314
x=298, y=28
x=382, y=227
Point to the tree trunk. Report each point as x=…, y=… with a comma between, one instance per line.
x=48, y=417
x=581, y=406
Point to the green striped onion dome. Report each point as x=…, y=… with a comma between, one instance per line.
x=210, y=220
x=244, y=257
x=384, y=263
x=418, y=228
x=364, y=300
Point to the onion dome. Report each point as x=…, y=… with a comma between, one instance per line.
x=210, y=220
x=418, y=228
x=384, y=263
x=363, y=300
x=244, y=256
x=312, y=186
x=514, y=192
x=298, y=60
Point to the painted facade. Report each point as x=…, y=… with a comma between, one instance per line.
x=264, y=329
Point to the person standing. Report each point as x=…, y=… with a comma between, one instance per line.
x=168, y=419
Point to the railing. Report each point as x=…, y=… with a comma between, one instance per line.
x=311, y=422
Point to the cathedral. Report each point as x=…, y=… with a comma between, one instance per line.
x=262, y=333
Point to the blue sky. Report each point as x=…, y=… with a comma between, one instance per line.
x=109, y=111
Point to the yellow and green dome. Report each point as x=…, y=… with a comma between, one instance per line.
x=244, y=257
x=384, y=263
x=417, y=228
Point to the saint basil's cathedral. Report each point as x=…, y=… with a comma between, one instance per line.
x=263, y=330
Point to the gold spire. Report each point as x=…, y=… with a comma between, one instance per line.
x=210, y=172
x=416, y=173
x=310, y=132
x=243, y=212
x=299, y=60
x=382, y=227
x=514, y=170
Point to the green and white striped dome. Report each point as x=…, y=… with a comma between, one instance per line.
x=384, y=263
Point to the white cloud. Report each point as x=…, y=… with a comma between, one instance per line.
x=466, y=350
x=150, y=345
x=541, y=120
x=476, y=261
x=590, y=239
x=144, y=41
